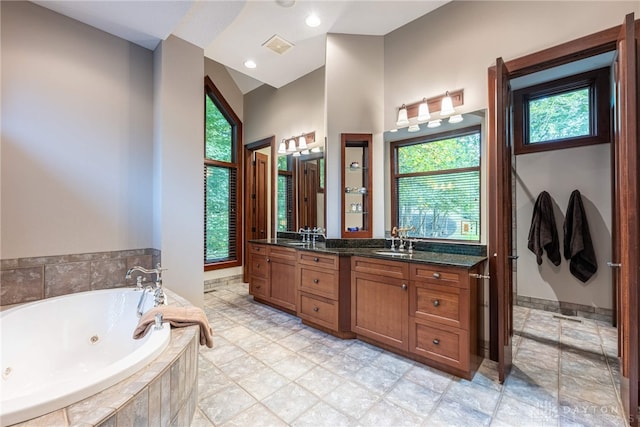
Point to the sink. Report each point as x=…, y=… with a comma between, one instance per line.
x=296, y=243
x=391, y=253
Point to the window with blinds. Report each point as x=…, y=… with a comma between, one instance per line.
x=222, y=229
x=436, y=185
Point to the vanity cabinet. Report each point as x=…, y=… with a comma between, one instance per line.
x=427, y=312
x=323, y=292
x=272, y=274
x=380, y=301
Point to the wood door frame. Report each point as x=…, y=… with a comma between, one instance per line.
x=248, y=182
x=583, y=47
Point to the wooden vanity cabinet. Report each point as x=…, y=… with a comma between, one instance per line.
x=443, y=317
x=323, y=292
x=426, y=312
x=272, y=275
x=380, y=301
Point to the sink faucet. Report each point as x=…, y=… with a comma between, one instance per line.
x=402, y=234
x=157, y=289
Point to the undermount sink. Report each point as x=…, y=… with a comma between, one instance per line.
x=391, y=253
x=297, y=243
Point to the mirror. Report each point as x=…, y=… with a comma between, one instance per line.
x=443, y=207
x=300, y=191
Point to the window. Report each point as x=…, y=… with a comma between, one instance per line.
x=285, y=194
x=564, y=113
x=223, y=141
x=436, y=185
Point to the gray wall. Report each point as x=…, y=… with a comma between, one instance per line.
x=77, y=138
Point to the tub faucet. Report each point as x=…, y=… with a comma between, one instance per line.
x=157, y=289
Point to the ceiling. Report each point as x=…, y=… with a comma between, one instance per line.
x=233, y=31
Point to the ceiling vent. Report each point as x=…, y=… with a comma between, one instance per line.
x=277, y=44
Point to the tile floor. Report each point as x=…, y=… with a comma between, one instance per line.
x=267, y=369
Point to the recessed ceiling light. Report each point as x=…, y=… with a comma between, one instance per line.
x=312, y=20
x=250, y=64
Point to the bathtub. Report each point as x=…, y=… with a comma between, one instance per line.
x=60, y=350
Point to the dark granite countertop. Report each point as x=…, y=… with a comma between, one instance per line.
x=426, y=257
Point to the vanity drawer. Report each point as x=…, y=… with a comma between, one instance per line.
x=319, y=310
x=443, y=275
x=319, y=282
x=257, y=249
x=259, y=266
x=259, y=287
x=394, y=269
x=320, y=260
x=441, y=304
x=442, y=344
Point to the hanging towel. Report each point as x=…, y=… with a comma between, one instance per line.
x=543, y=234
x=577, y=240
x=178, y=317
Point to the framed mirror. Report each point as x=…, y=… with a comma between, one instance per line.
x=300, y=189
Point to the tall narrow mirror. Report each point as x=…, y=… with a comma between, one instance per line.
x=300, y=189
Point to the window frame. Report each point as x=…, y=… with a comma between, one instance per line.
x=223, y=106
x=598, y=83
x=424, y=140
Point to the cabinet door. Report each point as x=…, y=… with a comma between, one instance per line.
x=283, y=283
x=379, y=309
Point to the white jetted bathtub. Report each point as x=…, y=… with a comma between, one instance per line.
x=57, y=351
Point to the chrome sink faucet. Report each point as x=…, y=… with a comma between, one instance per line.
x=402, y=234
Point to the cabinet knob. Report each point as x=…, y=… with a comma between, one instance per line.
x=404, y=286
x=258, y=249
x=316, y=309
x=316, y=259
x=436, y=302
x=316, y=281
x=436, y=275
x=268, y=259
x=436, y=341
x=257, y=286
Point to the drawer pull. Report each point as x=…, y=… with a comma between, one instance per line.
x=404, y=286
x=316, y=259
x=268, y=259
x=436, y=302
x=316, y=309
x=257, y=286
x=316, y=280
x=258, y=249
x=436, y=275
x=436, y=341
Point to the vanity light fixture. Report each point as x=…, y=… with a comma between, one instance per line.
x=403, y=117
x=302, y=142
x=447, y=105
x=282, y=148
x=316, y=149
x=434, y=123
x=292, y=146
x=423, y=111
x=413, y=128
x=296, y=154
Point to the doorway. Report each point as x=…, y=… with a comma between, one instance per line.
x=623, y=41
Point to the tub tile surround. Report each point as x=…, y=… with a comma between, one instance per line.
x=31, y=279
x=564, y=374
x=165, y=393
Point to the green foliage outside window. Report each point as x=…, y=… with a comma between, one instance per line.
x=560, y=116
x=438, y=187
x=220, y=181
x=219, y=145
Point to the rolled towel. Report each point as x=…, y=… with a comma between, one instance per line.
x=178, y=317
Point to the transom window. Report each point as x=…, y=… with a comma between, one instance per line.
x=222, y=230
x=563, y=113
x=436, y=185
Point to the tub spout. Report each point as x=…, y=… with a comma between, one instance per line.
x=158, y=292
